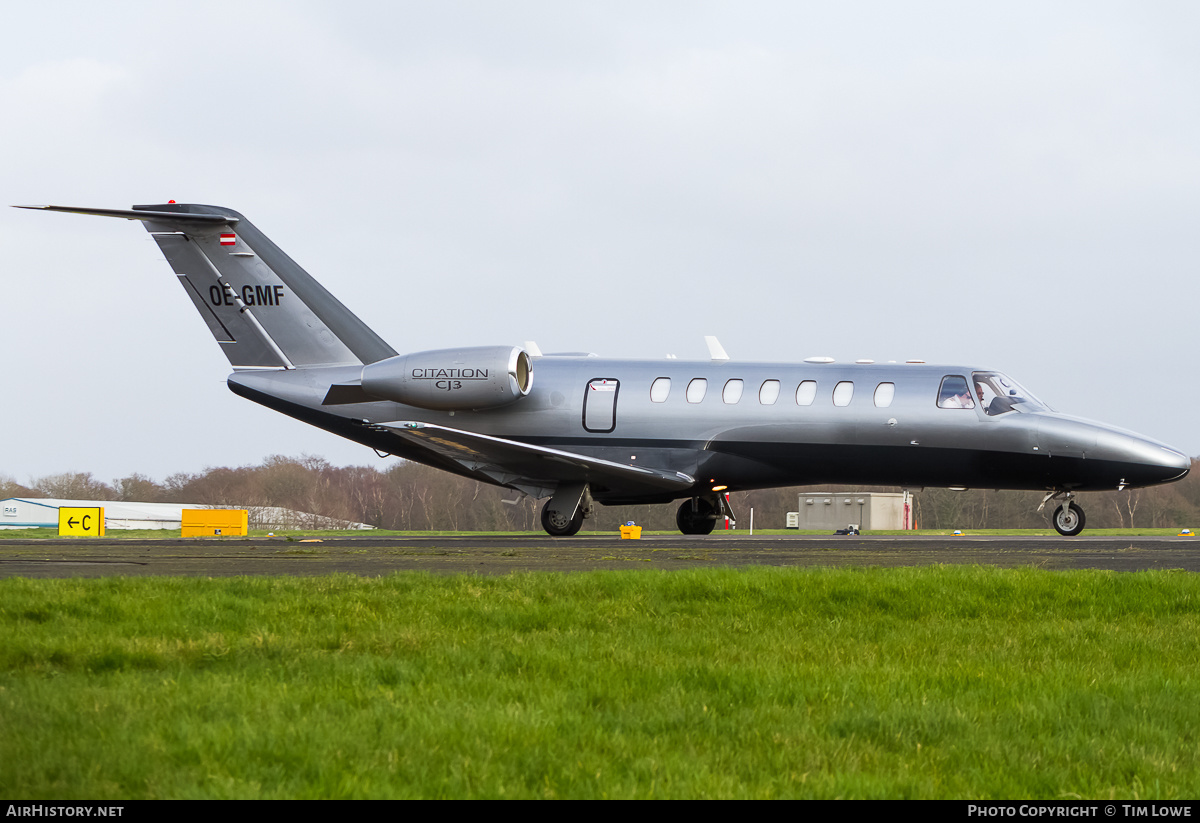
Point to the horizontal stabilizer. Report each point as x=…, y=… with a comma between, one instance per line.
x=178, y=218
x=536, y=470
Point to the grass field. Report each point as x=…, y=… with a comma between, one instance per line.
x=960, y=682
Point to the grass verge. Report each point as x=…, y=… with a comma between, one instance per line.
x=933, y=682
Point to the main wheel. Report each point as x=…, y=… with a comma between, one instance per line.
x=1068, y=520
x=701, y=521
x=557, y=524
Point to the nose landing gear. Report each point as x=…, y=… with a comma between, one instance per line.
x=1068, y=518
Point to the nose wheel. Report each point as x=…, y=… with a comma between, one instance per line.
x=1068, y=520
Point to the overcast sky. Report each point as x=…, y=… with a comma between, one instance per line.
x=1014, y=186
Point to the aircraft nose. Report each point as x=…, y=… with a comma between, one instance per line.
x=1175, y=464
x=1150, y=462
x=1108, y=456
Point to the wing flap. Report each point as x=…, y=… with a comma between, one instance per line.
x=536, y=470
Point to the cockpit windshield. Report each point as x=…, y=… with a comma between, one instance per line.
x=999, y=394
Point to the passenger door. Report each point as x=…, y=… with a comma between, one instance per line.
x=600, y=404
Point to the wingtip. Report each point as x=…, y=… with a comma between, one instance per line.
x=715, y=350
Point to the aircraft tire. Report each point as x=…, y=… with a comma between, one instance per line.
x=1070, y=522
x=560, y=526
x=700, y=522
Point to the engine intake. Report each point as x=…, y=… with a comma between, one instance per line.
x=482, y=377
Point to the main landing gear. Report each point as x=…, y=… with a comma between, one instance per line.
x=1068, y=518
x=699, y=515
x=558, y=524
x=563, y=514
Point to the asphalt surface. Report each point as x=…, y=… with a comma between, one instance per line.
x=224, y=557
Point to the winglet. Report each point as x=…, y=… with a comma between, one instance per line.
x=715, y=350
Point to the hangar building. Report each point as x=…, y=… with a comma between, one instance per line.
x=42, y=513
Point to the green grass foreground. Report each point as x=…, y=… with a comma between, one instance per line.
x=918, y=682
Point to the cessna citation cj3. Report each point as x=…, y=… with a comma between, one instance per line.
x=582, y=430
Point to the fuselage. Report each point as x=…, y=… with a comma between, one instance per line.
x=753, y=425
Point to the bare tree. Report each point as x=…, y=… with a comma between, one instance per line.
x=74, y=486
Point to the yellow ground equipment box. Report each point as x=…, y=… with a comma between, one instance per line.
x=215, y=523
x=80, y=522
x=631, y=532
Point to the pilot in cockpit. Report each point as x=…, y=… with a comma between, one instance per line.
x=998, y=404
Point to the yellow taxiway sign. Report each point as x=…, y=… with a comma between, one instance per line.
x=80, y=522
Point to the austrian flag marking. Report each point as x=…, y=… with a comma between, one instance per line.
x=229, y=239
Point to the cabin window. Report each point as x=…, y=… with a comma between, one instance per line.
x=954, y=393
x=884, y=393
x=660, y=389
x=768, y=393
x=696, y=390
x=732, y=392
x=842, y=393
x=806, y=392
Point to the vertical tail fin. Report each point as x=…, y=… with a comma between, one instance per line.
x=263, y=308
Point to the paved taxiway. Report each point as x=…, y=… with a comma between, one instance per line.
x=223, y=557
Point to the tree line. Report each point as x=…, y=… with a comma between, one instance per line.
x=411, y=496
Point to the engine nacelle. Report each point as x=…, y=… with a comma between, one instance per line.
x=482, y=377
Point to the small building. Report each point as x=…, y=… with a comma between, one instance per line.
x=818, y=511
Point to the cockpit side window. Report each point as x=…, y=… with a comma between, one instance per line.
x=999, y=394
x=954, y=393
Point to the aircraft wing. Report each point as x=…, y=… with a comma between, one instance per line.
x=535, y=470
